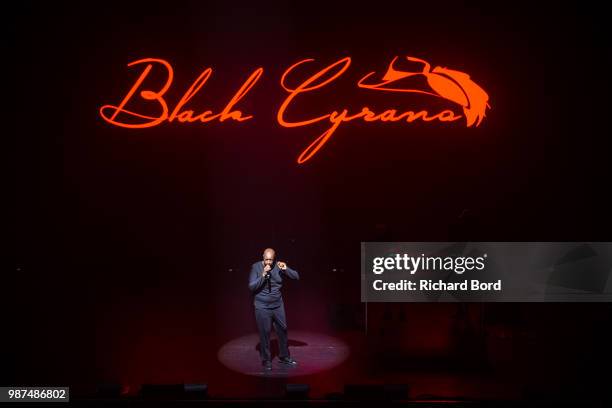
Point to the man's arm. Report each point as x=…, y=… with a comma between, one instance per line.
x=292, y=273
x=256, y=281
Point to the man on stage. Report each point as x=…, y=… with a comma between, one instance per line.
x=265, y=282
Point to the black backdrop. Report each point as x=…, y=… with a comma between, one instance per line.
x=124, y=235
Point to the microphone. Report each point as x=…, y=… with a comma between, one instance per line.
x=267, y=275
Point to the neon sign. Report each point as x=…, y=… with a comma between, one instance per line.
x=452, y=86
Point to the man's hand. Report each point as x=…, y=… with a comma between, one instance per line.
x=265, y=271
x=282, y=265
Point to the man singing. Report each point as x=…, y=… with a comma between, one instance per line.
x=265, y=282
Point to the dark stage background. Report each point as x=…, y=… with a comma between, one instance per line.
x=133, y=246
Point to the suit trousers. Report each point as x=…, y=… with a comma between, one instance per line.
x=266, y=318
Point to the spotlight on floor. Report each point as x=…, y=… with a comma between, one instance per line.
x=297, y=391
x=174, y=391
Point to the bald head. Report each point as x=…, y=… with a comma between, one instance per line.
x=268, y=256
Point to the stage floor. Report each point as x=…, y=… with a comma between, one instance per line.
x=327, y=363
x=313, y=352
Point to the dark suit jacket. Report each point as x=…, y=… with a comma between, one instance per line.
x=267, y=292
